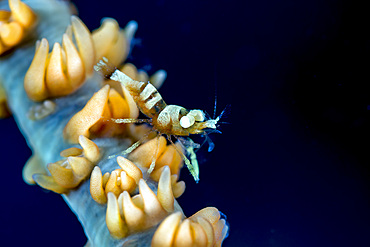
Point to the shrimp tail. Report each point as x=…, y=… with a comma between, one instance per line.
x=105, y=68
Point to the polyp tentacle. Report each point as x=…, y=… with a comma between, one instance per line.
x=69, y=172
x=112, y=42
x=127, y=178
x=65, y=69
x=15, y=24
x=83, y=120
x=141, y=211
x=203, y=229
x=95, y=118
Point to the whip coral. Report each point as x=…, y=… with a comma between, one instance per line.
x=60, y=106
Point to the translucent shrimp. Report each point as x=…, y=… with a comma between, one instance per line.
x=169, y=120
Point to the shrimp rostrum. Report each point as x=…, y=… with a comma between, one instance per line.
x=169, y=120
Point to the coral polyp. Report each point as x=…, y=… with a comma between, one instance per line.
x=15, y=24
x=64, y=109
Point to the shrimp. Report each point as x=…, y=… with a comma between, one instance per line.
x=168, y=120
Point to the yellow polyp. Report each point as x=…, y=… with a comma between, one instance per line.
x=127, y=183
x=130, y=168
x=102, y=127
x=107, y=112
x=69, y=31
x=82, y=121
x=81, y=166
x=67, y=66
x=34, y=78
x=156, y=174
x=200, y=238
x=171, y=158
x=118, y=106
x=104, y=37
x=152, y=207
x=145, y=153
x=138, y=201
x=11, y=33
x=195, y=231
x=14, y=24
x=142, y=76
x=164, y=193
x=56, y=81
x=71, y=152
x=133, y=109
x=218, y=231
x=130, y=70
x=178, y=189
x=4, y=15
x=68, y=173
x=158, y=78
x=32, y=166
x=210, y=213
x=48, y=182
x=134, y=216
x=113, y=185
x=105, y=178
x=115, y=85
x=115, y=223
x=184, y=236
x=96, y=186
x=224, y=233
x=74, y=64
x=63, y=176
x=119, y=49
x=174, y=178
x=85, y=43
x=90, y=149
x=22, y=13
x=208, y=230
x=165, y=233
x=120, y=206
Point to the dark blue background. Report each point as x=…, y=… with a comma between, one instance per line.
x=292, y=169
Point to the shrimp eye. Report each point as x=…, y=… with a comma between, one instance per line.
x=187, y=121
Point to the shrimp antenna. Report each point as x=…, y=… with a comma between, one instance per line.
x=223, y=112
x=211, y=145
x=215, y=78
x=215, y=105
